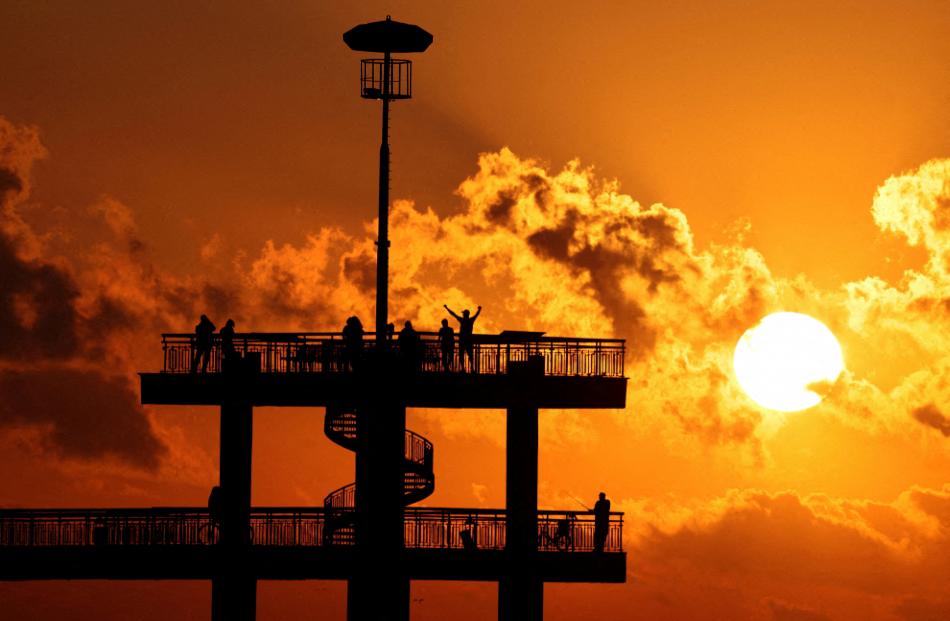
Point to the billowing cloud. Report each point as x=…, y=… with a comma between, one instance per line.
x=82, y=413
x=54, y=334
x=795, y=556
x=561, y=251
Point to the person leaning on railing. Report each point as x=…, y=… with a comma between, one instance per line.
x=601, y=513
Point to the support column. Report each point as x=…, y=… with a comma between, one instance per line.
x=379, y=589
x=234, y=588
x=521, y=593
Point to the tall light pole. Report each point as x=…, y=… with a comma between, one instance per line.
x=387, y=79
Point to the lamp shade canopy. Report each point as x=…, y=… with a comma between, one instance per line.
x=387, y=36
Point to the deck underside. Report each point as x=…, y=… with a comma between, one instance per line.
x=429, y=390
x=291, y=563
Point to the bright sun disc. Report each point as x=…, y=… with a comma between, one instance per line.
x=782, y=361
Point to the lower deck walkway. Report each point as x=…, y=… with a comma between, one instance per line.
x=291, y=543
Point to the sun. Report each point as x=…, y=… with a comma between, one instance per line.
x=784, y=361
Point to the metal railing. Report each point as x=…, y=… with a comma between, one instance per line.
x=424, y=527
x=326, y=352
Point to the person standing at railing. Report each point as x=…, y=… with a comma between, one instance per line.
x=352, y=342
x=447, y=345
x=204, y=337
x=601, y=522
x=466, y=329
x=410, y=346
x=228, y=352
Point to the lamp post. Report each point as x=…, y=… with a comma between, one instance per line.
x=385, y=78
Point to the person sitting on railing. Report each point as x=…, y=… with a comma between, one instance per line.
x=410, y=346
x=352, y=342
x=204, y=337
x=466, y=328
x=447, y=345
x=601, y=522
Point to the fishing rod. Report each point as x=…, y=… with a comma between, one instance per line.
x=580, y=503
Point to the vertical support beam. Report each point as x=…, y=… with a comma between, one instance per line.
x=379, y=589
x=521, y=593
x=234, y=588
x=382, y=241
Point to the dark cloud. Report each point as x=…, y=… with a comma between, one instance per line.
x=82, y=414
x=930, y=416
x=37, y=314
x=361, y=271
x=9, y=182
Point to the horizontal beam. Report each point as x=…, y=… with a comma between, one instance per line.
x=435, y=390
x=289, y=563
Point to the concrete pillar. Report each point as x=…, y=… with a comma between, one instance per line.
x=234, y=588
x=520, y=593
x=379, y=589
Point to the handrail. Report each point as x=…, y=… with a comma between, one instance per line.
x=424, y=527
x=326, y=352
x=341, y=498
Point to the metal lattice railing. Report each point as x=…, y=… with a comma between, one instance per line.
x=315, y=352
x=430, y=528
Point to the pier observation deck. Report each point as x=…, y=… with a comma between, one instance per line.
x=289, y=543
x=311, y=369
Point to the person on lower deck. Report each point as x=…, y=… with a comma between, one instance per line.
x=601, y=522
x=466, y=342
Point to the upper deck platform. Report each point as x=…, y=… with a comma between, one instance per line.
x=316, y=369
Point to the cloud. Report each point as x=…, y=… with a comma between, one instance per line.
x=83, y=414
x=61, y=333
x=797, y=556
x=932, y=417
x=562, y=251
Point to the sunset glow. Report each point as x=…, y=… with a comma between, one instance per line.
x=785, y=360
x=677, y=175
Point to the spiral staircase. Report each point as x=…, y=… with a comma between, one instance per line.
x=339, y=425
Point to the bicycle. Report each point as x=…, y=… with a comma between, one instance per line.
x=561, y=537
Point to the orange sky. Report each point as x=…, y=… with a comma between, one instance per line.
x=701, y=166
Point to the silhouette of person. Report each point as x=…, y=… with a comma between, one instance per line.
x=215, y=505
x=410, y=346
x=447, y=345
x=469, y=535
x=601, y=522
x=204, y=337
x=352, y=342
x=466, y=343
x=227, y=341
x=390, y=331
